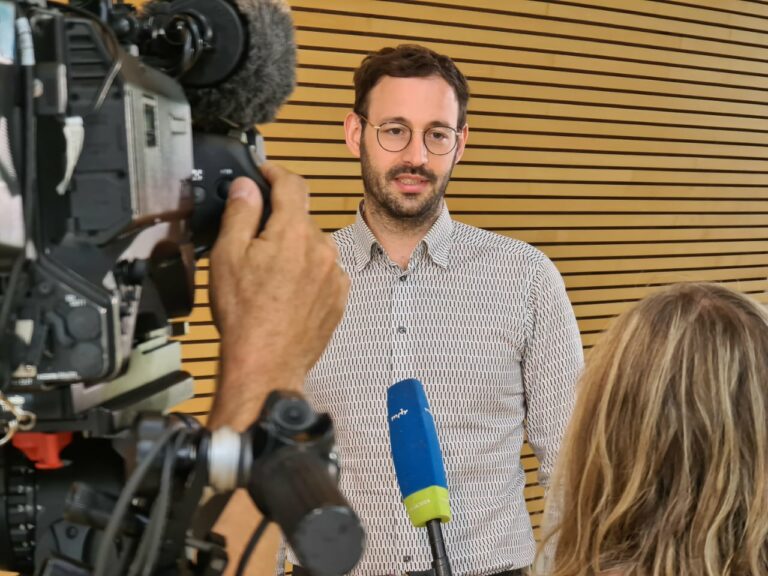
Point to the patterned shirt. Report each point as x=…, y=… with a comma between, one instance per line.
x=485, y=323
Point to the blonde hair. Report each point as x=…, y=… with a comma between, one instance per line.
x=664, y=470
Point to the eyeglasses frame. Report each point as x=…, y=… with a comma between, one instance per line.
x=410, y=138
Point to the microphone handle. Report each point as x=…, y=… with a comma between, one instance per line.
x=440, y=563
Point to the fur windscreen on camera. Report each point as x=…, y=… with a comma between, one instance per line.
x=264, y=79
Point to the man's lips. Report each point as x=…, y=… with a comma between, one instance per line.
x=411, y=183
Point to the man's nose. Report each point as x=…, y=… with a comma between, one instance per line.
x=416, y=153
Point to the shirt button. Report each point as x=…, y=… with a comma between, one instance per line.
x=403, y=278
x=401, y=329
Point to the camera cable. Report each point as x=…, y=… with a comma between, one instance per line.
x=251, y=546
x=152, y=539
x=101, y=567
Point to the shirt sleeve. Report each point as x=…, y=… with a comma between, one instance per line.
x=551, y=364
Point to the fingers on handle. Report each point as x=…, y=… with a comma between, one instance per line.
x=240, y=221
x=290, y=193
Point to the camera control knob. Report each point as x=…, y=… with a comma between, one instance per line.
x=83, y=323
x=86, y=358
x=222, y=189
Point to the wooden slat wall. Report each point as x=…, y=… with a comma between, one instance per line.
x=627, y=140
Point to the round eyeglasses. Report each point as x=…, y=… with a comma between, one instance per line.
x=395, y=137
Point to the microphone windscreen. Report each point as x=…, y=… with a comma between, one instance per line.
x=416, y=453
x=264, y=75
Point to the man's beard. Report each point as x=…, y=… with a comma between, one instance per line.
x=390, y=205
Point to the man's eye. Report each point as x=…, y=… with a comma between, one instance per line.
x=394, y=131
x=438, y=135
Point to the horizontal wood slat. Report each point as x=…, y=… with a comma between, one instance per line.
x=281, y=135
x=621, y=64
x=528, y=171
x=527, y=69
x=523, y=221
x=576, y=159
x=539, y=102
x=523, y=87
x=525, y=205
x=657, y=277
x=350, y=186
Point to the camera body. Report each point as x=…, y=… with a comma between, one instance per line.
x=116, y=213
x=108, y=245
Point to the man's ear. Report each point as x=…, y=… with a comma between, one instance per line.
x=463, y=135
x=353, y=132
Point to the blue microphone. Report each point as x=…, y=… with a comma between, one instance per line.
x=418, y=464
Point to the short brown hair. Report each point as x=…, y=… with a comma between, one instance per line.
x=408, y=61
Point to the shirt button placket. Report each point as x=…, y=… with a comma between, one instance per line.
x=401, y=323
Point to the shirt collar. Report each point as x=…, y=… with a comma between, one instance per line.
x=364, y=240
x=438, y=240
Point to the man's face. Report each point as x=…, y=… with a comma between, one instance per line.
x=408, y=185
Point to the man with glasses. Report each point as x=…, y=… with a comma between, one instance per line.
x=482, y=320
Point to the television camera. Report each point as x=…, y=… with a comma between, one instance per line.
x=120, y=132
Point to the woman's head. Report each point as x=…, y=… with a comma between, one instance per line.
x=665, y=467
